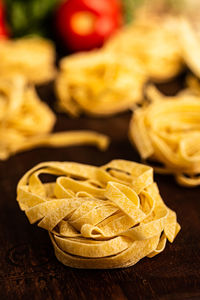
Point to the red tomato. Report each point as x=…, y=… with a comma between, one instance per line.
x=3, y=29
x=86, y=24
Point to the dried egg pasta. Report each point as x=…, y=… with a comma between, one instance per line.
x=98, y=217
x=189, y=39
x=26, y=121
x=99, y=83
x=32, y=57
x=193, y=85
x=154, y=44
x=168, y=131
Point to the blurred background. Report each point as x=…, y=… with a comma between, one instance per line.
x=69, y=22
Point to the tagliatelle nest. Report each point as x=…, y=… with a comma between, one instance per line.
x=189, y=39
x=168, y=131
x=153, y=43
x=26, y=121
x=98, y=217
x=32, y=57
x=99, y=83
x=193, y=85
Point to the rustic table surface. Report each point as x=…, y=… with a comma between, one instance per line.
x=28, y=267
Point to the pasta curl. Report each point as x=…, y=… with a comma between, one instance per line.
x=154, y=45
x=32, y=57
x=168, y=131
x=189, y=39
x=26, y=121
x=98, y=217
x=99, y=83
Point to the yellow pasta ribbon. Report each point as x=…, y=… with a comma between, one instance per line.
x=26, y=121
x=189, y=39
x=193, y=85
x=32, y=57
x=98, y=83
x=168, y=131
x=98, y=217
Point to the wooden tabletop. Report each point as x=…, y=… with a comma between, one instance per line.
x=28, y=267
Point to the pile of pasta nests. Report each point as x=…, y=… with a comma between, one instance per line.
x=110, y=216
x=113, y=78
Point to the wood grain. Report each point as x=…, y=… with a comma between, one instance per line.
x=28, y=268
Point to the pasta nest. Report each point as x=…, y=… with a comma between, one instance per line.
x=167, y=130
x=98, y=217
x=26, y=121
x=193, y=85
x=154, y=44
x=22, y=115
x=99, y=83
x=32, y=57
x=189, y=39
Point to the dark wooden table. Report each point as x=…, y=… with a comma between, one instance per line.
x=28, y=267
